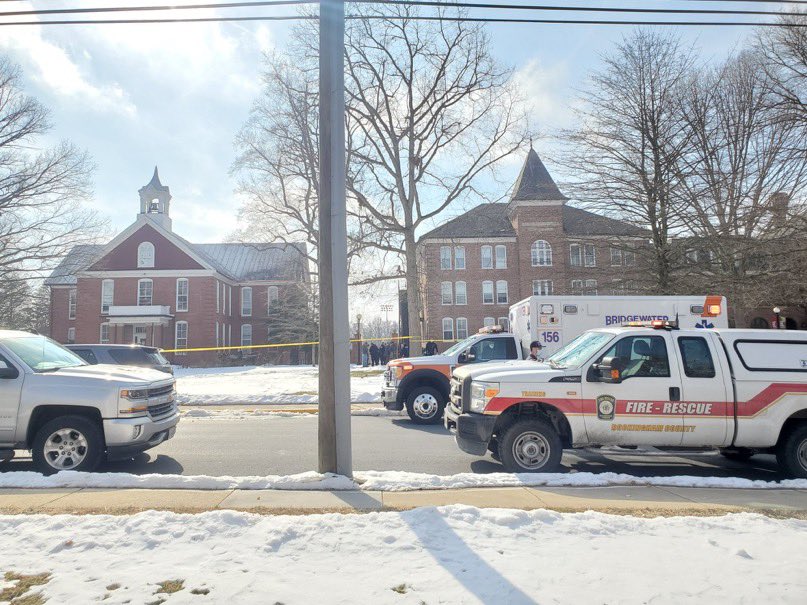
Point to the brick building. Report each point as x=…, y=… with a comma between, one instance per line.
x=150, y=286
x=475, y=266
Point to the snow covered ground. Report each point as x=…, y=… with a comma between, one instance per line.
x=455, y=554
x=389, y=481
x=267, y=384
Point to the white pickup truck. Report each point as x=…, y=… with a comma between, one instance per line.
x=740, y=391
x=72, y=415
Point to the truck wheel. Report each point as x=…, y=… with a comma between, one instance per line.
x=425, y=405
x=68, y=443
x=792, y=453
x=530, y=446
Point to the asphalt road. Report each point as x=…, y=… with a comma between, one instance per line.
x=278, y=445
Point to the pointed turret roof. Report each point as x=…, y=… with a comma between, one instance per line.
x=535, y=182
x=154, y=184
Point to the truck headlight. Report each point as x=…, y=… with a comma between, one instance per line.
x=134, y=402
x=134, y=394
x=481, y=394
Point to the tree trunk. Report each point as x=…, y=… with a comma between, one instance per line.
x=413, y=293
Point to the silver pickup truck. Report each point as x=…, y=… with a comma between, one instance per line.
x=72, y=415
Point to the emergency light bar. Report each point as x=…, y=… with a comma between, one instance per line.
x=490, y=330
x=656, y=324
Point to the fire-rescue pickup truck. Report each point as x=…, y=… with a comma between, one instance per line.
x=740, y=391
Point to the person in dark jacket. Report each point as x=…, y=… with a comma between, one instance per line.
x=405, y=350
x=535, y=351
x=431, y=348
x=374, y=354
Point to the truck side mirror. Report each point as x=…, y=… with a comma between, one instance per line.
x=610, y=369
x=467, y=357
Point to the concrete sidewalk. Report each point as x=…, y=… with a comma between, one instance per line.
x=650, y=501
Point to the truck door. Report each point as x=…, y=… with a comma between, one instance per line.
x=707, y=412
x=494, y=349
x=637, y=410
x=10, y=392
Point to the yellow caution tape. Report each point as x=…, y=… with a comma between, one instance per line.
x=288, y=344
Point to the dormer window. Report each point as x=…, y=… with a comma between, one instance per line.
x=145, y=255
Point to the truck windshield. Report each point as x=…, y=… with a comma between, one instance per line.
x=579, y=350
x=461, y=345
x=42, y=354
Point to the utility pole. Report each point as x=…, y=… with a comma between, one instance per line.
x=334, y=327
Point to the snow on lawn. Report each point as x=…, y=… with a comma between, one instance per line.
x=195, y=414
x=267, y=384
x=389, y=481
x=454, y=554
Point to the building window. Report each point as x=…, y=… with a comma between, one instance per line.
x=461, y=294
x=104, y=336
x=246, y=302
x=182, y=294
x=71, y=335
x=230, y=301
x=218, y=297
x=542, y=287
x=218, y=342
x=501, y=257
x=591, y=287
x=272, y=294
x=504, y=323
x=577, y=287
x=145, y=255
x=616, y=257
x=489, y=321
x=590, y=257
x=501, y=292
x=462, y=328
x=487, y=257
x=107, y=295
x=448, y=328
x=71, y=303
x=246, y=335
x=487, y=292
x=145, y=290
x=181, y=336
x=541, y=254
x=445, y=258
x=576, y=255
x=459, y=257
x=630, y=257
x=445, y=293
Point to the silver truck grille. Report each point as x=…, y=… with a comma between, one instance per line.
x=160, y=391
x=161, y=410
x=455, y=395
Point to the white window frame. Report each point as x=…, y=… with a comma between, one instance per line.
x=71, y=336
x=450, y=330
x=502, y=288
x=629, y=258
x=186, y=282
x=576, y=287
x=542, y=287
x=446, y=295
x=488, y=322
x=592, y=256
x=460, y=293
x=487, y=253
x=445, y=258
x=462, y=332
x=246, y=335
x=488, y=288
x=72, y=303
x=504, y=323
x=104, y=338
x=181, y=342
x=616, y=257
x=218, y=297
x=578, y=261
x=246, y=301
x=141, y=282
x=218, y=342
x=500, y=248
x=230, y=300
x=107, y=297
x=590, y=287
x=145, y=255
x=459, y=258
x=272, y=295
x=541, y=253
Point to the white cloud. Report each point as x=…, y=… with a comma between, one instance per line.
x=545, y=87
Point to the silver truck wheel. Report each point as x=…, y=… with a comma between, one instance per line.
x=425, y=405
x=531, y=449
x=530, y=446
x=68, y=443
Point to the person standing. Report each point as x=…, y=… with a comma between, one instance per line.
x=535, y=351
x=374, y=354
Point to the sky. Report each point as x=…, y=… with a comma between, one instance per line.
x=175, y=95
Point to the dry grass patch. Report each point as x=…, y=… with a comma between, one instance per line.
x=16, y=594
x=170, y=586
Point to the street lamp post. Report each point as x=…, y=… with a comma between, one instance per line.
x=778, y=312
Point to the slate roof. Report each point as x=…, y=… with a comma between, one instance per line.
x=535, y=182
x=490, y=220
x=240, y=262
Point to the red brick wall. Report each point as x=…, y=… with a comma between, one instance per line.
x=166, y=254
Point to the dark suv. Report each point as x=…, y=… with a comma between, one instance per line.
x=123, y=355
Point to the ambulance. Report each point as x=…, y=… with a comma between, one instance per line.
x=742, y=392
x=421, y=384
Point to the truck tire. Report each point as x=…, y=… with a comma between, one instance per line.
x=68, y=443
x=791, y=454
x=425, y=405
x=530, y=446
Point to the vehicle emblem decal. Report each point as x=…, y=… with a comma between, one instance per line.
x=606, y=404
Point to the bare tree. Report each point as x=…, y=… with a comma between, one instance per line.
x=628, y=147
x=743, y=168
x=41, y=190
x=429, y=113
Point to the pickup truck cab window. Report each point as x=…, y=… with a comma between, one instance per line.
x=642, y=357
x=696, y=358
x=489, y=349
x=42, y=354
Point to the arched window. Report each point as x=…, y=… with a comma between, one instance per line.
x=448, y=328
x=461, y=296
x=462, y=328
x=145, y=255
x=487, y=257
x=541, y=254
x=501, y=257
x=489, y=321
x=759, y=323
x=487, y=292
x=502, y=297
